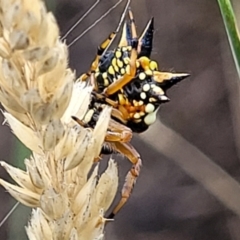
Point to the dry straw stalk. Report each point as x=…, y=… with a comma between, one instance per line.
x=39, y=94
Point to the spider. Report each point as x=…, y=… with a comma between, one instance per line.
x=129, y=81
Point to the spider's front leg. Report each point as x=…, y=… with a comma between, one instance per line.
x=128, y=76
x=117, y=141
x=130, y=152
x=131, y=67
x=95, y=62
x=118, y=132
x=118, y=112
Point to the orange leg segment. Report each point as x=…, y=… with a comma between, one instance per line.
x=132, y=175
x=118, y=132
x=117, y=140
x=128, y=76
x=131, y=68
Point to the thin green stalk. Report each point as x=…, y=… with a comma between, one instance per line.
x=232, y=30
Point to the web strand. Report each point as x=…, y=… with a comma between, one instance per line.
x=9, y=214
x=119, y=24
x=95, y=23
x=80, y=20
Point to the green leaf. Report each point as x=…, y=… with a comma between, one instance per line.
x=232, y=30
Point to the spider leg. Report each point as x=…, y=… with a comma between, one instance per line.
x=131, y=68
x=95, y=62
x=118, y=112
x=107, y=149
x=133, y=26
x=80, y=122
x=117, y=140
x=104, y=99
x=121, y=115
x=128, y=76
x=129, y=32
x=131, y=177
x=118, y=132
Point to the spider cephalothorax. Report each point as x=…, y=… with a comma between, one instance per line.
x=127, y=79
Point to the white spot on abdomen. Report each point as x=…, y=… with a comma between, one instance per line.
x=150, y=118
x=146, y=87
x=149, y=108
x=143, y=95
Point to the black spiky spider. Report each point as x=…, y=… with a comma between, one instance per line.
x=129, y=81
